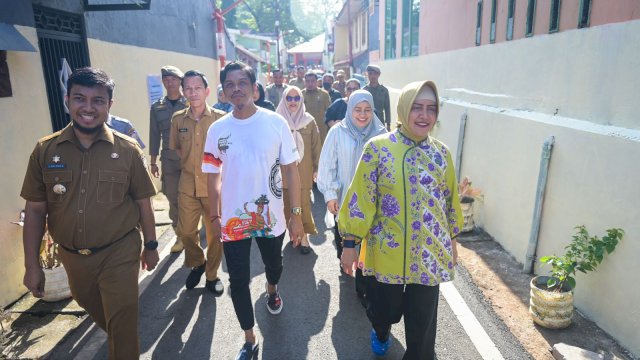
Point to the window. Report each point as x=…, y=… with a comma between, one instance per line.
x=531, y=15
x=554, y=18
x=585, y=13
x=510, y=14
x=5, y=80
x=492, y=30
x=479, y=23
x=363, y=18
x=410, y=27
x=390, y=15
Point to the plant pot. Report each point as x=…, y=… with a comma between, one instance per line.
x=467, y=215
x=548, y=308
x=56, y=285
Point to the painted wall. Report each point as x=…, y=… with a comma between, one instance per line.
x=511, y=91
x=21, y=130
x=130, y=95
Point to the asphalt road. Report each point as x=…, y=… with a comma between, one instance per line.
x=322, y=317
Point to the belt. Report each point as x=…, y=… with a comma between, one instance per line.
x=93, y=250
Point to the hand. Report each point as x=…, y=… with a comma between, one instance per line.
x=216, y=226
x=149, y=259
x=333, y=207
x=315, y=176
x=296, y=230
x=34, y=281
x=154, y=170
x=349, y=260
x=454, y=246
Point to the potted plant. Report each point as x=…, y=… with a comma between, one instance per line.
x=56, y=285
x=551, y=303
x=468, y=195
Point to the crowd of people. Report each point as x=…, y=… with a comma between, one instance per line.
x=245, y=169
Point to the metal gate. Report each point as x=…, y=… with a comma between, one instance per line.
x=60, y=36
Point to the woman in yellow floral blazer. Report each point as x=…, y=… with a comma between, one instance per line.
x=404, y=200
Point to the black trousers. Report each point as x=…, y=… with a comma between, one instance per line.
x=419, y=306
x=237, y=254
x=360, y=282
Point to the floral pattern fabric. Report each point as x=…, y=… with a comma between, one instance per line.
x=404, y=201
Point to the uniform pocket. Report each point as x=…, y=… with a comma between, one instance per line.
x=112, y=186
x=57, y=184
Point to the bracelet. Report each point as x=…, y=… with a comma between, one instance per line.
x=348, y=244
x=216, y=217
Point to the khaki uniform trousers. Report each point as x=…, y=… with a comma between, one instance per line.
x=170, y=179
x=191, y=210
x=106, y=285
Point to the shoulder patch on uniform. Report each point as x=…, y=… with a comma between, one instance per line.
x=51, y=136
x=125, y=137
x=218, y=112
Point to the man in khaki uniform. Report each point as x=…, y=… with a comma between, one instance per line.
x=188, y=133
x=91, y=186
x=316, y=101
x=159, y=128
x=299, y=79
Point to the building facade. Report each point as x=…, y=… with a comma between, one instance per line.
x=520, y=72
x=128, y=44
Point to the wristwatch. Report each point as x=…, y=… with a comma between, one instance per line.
x=296, y=211
x=151, y=245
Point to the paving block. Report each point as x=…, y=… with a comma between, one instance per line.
x=562, y=351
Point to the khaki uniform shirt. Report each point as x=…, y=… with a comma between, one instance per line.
x=274, y=93
x=160, y=126
x=90, y=193
x=189, y=136
x=317, y=102
x=311, y=157
x=381, y=102
x=297, y=82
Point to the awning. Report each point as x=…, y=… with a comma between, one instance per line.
x=11, y=39
x=315, y=45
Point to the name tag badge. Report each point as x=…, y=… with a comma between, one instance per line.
x=183, y=130
x=56, y=166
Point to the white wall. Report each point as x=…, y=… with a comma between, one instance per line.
x=581, y=87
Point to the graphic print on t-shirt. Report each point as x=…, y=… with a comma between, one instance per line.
x=275, y=180
x=248, y=223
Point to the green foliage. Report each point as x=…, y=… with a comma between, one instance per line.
x=583, y=254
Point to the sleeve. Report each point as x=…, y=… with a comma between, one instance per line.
x=174, y=140
x=132, y=132
x=387, y=107
x=288, y=150
x=328, y=167
x=154, y=134
x=33, y=188
x=327, y=100
x=141, y=185
x=359, y=207
x=453, y=210
x=211, y=162
x=316, y=145
x=331, y=113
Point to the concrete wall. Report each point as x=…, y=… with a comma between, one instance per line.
x=130, y=95
x=25, y=118
x=579, y=86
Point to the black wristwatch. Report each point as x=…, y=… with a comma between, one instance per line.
x=151, y=245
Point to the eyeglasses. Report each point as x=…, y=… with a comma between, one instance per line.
x=351, y=89
x=293, y=98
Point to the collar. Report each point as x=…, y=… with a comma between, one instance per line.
x=413, y=141
x=165, y=99
x=206, y=113
x=105, y=134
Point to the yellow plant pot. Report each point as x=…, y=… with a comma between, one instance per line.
x=550, y=309
x=56, y=285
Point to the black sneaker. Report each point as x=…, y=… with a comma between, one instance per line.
x=215, y=286
x=194, y=276
x=249, y=351
x=274, y=302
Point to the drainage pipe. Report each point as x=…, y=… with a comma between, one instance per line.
x=463, y=125
x=530, y=259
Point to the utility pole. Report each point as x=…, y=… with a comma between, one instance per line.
x=348, y=4
x=219, y=14
x=277, y=7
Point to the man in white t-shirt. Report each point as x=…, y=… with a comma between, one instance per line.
x=243, y=155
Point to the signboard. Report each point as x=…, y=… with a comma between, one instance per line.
x=154, y=88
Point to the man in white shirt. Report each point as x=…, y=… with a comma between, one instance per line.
x=243, y=155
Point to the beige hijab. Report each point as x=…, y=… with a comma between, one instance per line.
x=297, y=120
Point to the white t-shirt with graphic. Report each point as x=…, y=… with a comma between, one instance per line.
x=248, y=154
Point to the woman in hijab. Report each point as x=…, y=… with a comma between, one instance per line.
x=307, y=137
x=259, y=98
x=341, y=152
x=404, y=201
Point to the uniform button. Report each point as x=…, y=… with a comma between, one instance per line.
x=113, y=178
x=80, y=211
x=79, y=230
x=56, y=178
x=84, y=171
x=82, y=191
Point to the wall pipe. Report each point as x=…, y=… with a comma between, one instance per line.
x=463, y=125
x=530, y=259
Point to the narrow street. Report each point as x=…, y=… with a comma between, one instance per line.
x=322, y=317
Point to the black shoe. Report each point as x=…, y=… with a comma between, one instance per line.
x=194, y=276
x=215, y=286
x=249, y=351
